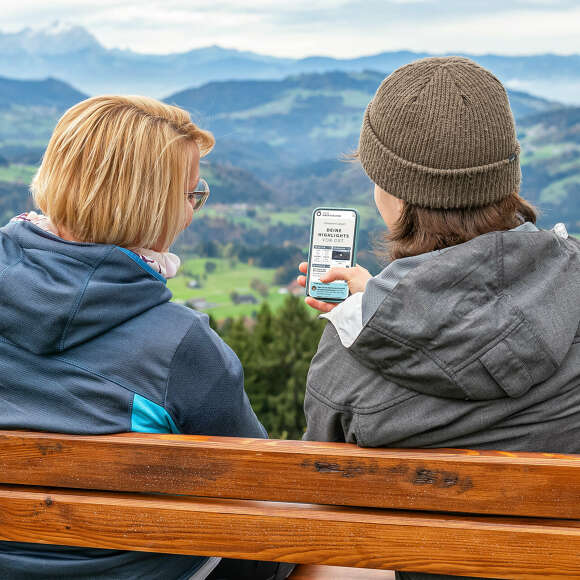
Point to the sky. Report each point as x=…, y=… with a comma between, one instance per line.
x=298, y=28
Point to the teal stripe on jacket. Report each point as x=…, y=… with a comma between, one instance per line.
x=148, y=417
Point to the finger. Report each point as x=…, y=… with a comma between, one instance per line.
x=337, y=274
x=303, y=267
x=319, y=305
x=302, y=281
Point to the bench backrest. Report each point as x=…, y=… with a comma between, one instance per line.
x=377, y=508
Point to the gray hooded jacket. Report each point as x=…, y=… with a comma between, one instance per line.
x=476, y=346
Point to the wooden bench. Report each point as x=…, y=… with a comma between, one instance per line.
x=461, y=512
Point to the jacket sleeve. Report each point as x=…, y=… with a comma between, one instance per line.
x=327, y=417
x=205, y=390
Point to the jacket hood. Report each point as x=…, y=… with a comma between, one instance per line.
x=56, y=294
x=486, y=319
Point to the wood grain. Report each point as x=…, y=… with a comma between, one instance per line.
x=518, y=548
x=486, y=482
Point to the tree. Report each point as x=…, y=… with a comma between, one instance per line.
x=260, y=287
x=209, y=248
x=210, y=267
x=230, y=253
x=276, y=355
x=212, y=323
x=286, y=273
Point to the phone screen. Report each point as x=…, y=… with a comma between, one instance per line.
x=332, y=243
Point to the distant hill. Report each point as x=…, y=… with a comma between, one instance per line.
x=73, y=54
x=555, y=126
x=280, y=141
x=50, y=93
x=226, y=97
x=551, y=164
x=300, y=119
x=29, y=110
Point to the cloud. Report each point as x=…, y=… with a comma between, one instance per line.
x=342, y=28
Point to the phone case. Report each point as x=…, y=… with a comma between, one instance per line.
x=336, y=291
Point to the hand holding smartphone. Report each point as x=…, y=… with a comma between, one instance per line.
x=333, y=240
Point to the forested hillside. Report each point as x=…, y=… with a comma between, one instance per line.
x=551, y=164
x=300, y=119
x=279, y=148
x=28, y=112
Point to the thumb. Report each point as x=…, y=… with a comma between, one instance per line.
x=337, y=274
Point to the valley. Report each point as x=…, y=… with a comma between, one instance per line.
x=282, y=149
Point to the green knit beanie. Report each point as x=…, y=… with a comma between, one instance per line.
x=439, y=133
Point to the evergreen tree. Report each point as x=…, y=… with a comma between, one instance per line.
x=276, y=354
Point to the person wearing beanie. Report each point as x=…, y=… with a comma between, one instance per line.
x=470, y=337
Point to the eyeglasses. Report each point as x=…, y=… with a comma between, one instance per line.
x=199, y=195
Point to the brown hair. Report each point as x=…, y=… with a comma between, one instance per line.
x=420, y=229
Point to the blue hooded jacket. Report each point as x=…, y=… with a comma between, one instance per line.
x=90, y=344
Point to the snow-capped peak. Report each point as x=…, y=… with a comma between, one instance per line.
x=56, y=38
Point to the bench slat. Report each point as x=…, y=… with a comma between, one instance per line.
x=486, y=482
x=517, y=548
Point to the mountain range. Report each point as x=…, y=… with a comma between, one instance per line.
x=280, y=141
x=300, y=119
x=260, y=125
x=73, y=54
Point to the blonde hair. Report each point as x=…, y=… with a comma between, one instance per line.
x=116, y=169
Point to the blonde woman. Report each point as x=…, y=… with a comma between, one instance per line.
x=89, y=342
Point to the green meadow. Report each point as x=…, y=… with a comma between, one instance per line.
x=558, y=191
x=217, y=285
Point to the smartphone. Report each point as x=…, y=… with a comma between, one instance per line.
x=333, y=240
